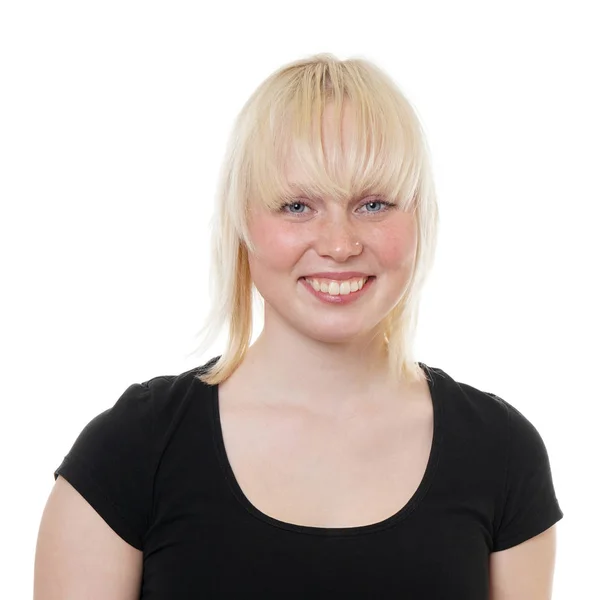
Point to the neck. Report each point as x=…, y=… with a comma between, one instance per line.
x=324, y=378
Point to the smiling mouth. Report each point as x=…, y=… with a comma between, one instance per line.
x=335, y=288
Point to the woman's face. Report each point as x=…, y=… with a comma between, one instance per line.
x=312, y=236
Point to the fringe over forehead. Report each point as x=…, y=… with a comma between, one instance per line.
x=283, y=120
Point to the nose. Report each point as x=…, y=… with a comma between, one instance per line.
x=339, y=240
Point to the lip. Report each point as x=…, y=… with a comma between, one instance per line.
x=339, y=299
x=338, y=275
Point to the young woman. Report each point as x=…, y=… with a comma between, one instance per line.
x=322, y=461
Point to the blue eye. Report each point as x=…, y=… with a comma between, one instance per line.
x=293, y=204
x=374, y=202
x=382, y=202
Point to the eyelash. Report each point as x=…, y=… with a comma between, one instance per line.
x=388, y=206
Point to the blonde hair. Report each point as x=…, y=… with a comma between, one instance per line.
x=388, y=155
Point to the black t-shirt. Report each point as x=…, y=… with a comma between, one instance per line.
x=155, y=469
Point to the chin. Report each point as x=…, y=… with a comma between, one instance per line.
x=337, y=333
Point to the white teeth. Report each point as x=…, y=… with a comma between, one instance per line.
x=337, y=288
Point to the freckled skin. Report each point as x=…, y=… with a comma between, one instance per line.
x=320, y=236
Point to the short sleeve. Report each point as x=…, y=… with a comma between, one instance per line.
x=111, y=464
x=529, y=505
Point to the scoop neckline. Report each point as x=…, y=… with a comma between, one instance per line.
x=390, y=521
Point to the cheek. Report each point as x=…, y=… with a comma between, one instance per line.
x=277, y=246
x=396, y=245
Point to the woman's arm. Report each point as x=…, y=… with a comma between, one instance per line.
x=525, y=571
x=79, y=556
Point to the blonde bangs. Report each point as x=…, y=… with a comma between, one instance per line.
x=382, y=156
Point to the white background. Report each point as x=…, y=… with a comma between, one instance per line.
x=113, y=121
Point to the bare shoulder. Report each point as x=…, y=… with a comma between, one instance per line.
x=525, y=571
x=78, y=555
